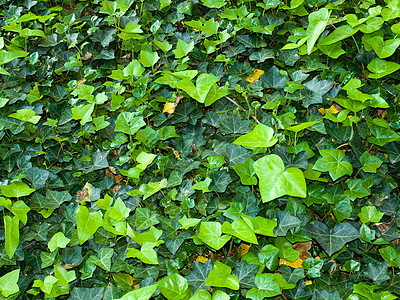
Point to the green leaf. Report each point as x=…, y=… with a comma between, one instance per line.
x=188, y=222
x=144, y=293
x=370, y=214
x=377, y=272
x=213, y=3
x=275, y=181
x=10, y=55
x=83, y=113
x=269, y=256
x=183, y=48
x=58, y=241
x=246, y=172
x=370, y=163
x=286, y=221
x=266, y=287
x=260, y=136
x=16, y=189
x=221, y=276
x=129, y=123
x=27, y=115
x=87, y=223
x=286, y=250
x=202, y=185
x=381, y=68
x=20, y=209
x=148, y=59
x=211, y=234
x=331, y=161
x=333, y=51
x=203, y=85
x=8, y=283
x=331, y=240
x=241, y=230
x=173, y=286
x=119, y=211
x=300, y=127
x=339, y=34
x=317, y=22
x=146, y=254
x=198, y=276
x=11, y=228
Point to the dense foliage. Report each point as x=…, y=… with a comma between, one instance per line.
x=199, y=149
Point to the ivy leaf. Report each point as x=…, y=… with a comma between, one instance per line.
x=183, y=48
x=27, y=115
x=377, y=272
x=317, y=22
x=331, y=161
x=213, y=3
x=381, y=68
x=8, y=283
x=265, y=287
x=370, y=214
x=83, y=113
x=148, y=59
x=286, y=221
x=11, y=228
x=173, y=286
x=370, y=162
x=331, y=240
x=241, y=230
x=199, y=91
x=211, y=234
x=87, y=223
x=144, y=293
x=275, y=181
x=246, y=274
x=128, y=123
x=58, y=241
x=147, y=254
x=198, y=276
x=221, y=276
x=16, y=189
x=246, y=172
x=260, y=136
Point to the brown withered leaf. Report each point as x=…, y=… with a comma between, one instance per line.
x=110, y=172
x=81, y=195
x=303, y=248
x=383, y=227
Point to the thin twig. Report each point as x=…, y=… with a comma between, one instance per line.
x=241, y=107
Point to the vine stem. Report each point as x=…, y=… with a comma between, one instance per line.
x=241, y=107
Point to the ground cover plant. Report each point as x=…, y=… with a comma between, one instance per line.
x=199, y=149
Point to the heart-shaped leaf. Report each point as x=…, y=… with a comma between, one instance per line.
x=260, y=136
x=332, y=240
x=275, y=181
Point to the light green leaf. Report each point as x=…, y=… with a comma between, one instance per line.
x=146, y=254
x=27, y=115
x=203, y=85
x=183, y=48
x=11, y=228
x=202, y=185
x=143, y=293
x=266, y=287
x=213, y=3
x=300, y=127
x=16, y=189
x=83, y=113
x=246, y=172
x=173, y=286
x=188, y=222
x=275, y=181
x=20, y=209
x=134, y=68
x=241, y=230
x=8, y=283
x=87, y=223
x=381, y=68
x=370, y=214
x=221, y=276
x=119, y=211
x=331, y=161
x=58, y=241
x=260, y=136
x=317, y=22
x=148, y=59
x=10, y=55
x=129, y=123
x=211, y=234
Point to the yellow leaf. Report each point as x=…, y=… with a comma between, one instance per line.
x=308, y=282
x=255, y=76
x=169, y=107
x=245, y=248
x=201, y=259
x=296, y=264
x=333, y=109
x=322, y=110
